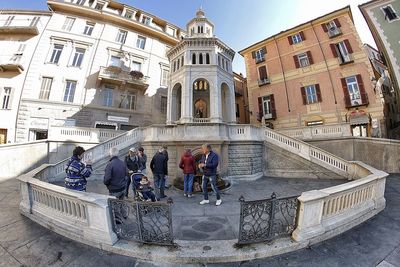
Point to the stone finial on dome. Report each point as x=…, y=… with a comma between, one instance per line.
x=200, y=13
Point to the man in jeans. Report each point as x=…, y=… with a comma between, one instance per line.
x=209, y=164
x=159, y=167
x=115, y=175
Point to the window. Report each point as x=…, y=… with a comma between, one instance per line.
x=207, y=58
x=45, y=88
x=115, y=61
x=182, y=61
x=262, y=74
x=88, y=28
x=136, y=66
x=266, y=107
x=311, y=94
x=164, y=77
x=303, y=60
x=128, y=101
x=69, y=91
x=332, y=28
x=141, y=42
x=69, y=22
x=354, y=91
x=6, y=98
x=145, y=20
x=237, y=111
x=80, y=2
x=9, y=20
x=121, y=36
x=200, y=58
x=78, y=57
x=163, y=107
x=390, y=14
x=296, y=38
x=55, y=55
x=98, y=7
x=201, y=85
x=259, y=55
x=128, y=15
x=108, y=96
x=34, y=22
x=194, y=58
x=353, y=88
x=342, y=51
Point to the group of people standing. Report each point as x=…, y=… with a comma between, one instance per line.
x=117, y=176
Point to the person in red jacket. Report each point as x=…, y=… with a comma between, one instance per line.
x=188, y=165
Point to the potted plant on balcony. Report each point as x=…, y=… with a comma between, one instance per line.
x=137, y=75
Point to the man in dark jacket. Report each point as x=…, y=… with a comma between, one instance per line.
x=209, y=164
x=159, y=167
x=188, y=165
x=115, y=175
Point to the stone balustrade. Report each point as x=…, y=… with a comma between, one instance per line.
x=82, y=134
x=318, y=132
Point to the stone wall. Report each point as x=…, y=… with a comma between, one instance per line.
x=382, y=154
x=245, y=158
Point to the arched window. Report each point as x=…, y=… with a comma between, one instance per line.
x=193, y=58
x=201, y=85
x=219, y=60
x=226, y=65
x=174, y=69
x=198, y=29
x=201, y=29
x=178, y=65
x=200, y=58
x=182, y=61
x=207, y=58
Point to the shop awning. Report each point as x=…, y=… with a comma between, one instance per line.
x=359, y=118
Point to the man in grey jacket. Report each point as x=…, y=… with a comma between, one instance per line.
x=115, y=175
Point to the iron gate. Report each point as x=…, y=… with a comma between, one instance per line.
x=146, y=222
x=267, y=219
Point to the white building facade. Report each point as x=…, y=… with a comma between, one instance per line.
x=201, y=87
x=20, y=33
x=98, y=64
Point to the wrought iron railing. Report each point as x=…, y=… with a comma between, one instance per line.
x=267, y=219
x=145, y=222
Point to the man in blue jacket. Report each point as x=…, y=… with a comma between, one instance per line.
x=209, y=164
x=115, y=175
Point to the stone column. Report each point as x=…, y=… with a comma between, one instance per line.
x=169, y=105
x=185, y=102
x=232, y=107
x=215, y=102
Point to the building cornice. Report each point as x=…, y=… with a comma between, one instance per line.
x=285, y=33
x=108, y=17
x=25, y=12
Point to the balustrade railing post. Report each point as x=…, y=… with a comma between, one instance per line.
x=309, y=215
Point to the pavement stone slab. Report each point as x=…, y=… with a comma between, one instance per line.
x=6, y=259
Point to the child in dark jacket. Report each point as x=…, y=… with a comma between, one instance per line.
x=146, y=189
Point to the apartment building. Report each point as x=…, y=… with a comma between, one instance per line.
x=98, y=64
x=20, y=32
x=241, y=99
x=316, y=73
x=383, y=19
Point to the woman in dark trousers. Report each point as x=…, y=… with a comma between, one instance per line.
x=132, y=164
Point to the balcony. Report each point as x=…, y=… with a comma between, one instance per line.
x=263, y=81
x=19, y=26
x=356, y=100
x=333, y=32
x=11, y=64
x=117, y=75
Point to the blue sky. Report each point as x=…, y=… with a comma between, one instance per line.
x=238, y=23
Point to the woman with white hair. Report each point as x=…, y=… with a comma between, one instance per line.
x=115, y=175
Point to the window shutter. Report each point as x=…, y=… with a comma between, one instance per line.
x=296, y=61
x=318, y=91
x=262, y=71
x=272, y=103
x=348, y=46
x=345, y=92
x=337, y=23
x=253, y=54
x=260, y=109
x=323, y=25
x=310, y=59
x=290, y=40
x=303, y=95
x=333, y=48
x=364, y=97
x=302, y=35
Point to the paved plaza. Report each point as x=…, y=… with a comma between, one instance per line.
x=373, y=243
